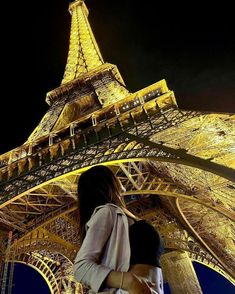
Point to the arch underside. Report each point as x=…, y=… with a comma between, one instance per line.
x=192, y=207
x=149, y=139
x=188, y=217
x=54, y=268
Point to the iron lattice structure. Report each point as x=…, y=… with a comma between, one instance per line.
x=177, y=167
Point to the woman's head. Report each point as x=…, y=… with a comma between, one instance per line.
x=97, y=186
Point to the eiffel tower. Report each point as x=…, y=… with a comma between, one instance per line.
x=178, y=168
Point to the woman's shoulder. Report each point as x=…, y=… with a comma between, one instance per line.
x=108, y=208
x=107, y=212
x=113, y=208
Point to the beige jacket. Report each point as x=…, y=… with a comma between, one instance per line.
x=105, y=248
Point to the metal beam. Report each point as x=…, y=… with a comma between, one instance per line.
x=187, y=159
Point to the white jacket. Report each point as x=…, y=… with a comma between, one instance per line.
x=105, y=248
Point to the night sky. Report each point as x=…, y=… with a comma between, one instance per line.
x=190, y=46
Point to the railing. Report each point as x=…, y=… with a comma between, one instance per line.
x=98, y=125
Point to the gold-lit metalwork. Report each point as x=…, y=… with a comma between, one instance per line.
x=178, y=168
x=84, y=54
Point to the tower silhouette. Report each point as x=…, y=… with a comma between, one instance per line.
x=177, y=167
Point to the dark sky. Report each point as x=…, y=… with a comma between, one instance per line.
x=191, y=46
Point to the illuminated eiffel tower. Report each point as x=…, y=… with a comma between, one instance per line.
x=177, y=166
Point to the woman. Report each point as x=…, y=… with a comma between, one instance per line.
x=110, y=259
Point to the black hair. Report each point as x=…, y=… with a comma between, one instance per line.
x=96, y=186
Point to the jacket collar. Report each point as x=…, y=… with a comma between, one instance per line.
x=118, y=209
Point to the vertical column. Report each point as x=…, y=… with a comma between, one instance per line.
x=179, y=272
x=1, y=268
x=6, y=264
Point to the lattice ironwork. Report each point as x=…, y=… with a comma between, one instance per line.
x=177, y=167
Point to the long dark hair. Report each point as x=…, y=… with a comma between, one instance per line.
x=96, y=186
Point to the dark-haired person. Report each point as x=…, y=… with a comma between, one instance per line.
x=119, y=252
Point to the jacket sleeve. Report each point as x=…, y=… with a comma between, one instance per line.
x=87, y=267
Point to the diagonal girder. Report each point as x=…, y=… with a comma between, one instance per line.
x=96, y=154
x=187, y=159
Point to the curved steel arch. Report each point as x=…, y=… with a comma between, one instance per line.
x=92, y=155
x=37, y=244
x=45, y=271
x=176, y=195
x=232, y=275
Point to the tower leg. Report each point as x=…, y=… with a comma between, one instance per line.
x=1, y=269
x=179, y=272
x=1, y=266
